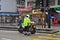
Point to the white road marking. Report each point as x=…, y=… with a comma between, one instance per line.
x=6, y=39
x=7, y=31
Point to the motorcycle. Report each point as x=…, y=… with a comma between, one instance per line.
x=32, y=28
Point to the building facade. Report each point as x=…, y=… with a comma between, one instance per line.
x=11, y=6
x=7, y=7
x=25, y=3
x=55, y=11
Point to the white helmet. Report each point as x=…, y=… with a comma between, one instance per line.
x=28, y=15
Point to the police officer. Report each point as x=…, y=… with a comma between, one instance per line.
x=27, y=23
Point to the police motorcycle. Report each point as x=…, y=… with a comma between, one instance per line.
x=32, y=28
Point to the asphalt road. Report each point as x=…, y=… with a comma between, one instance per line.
x=12, y=35
x=15, y=35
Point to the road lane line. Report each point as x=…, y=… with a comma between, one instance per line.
x=6, y=39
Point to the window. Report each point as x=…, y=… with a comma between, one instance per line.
x=58, y=2
x=0, y=7
x=39, y=3
x=52, y=2
x=18, y=1
x=31, y=3
x=21, y=2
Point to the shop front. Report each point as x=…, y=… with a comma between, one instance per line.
x=37, y=16
x=25, y=11
x=8, y=18
x=57, y=14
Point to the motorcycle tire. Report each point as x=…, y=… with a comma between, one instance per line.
x=20, y=30
x=33, y=31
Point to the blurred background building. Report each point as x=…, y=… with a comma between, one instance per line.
x=11, y=7
x=7, y=7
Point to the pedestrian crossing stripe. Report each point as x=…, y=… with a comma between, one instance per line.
x=54, y=39
x=38, y=39
x=34, y=39
x=51, y=35
x=5, y=39
x=44, y=37
x=7, y=31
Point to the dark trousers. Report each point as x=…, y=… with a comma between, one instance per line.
x=26, y=29
x=58, y=22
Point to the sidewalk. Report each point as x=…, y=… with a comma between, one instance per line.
x=14, y=26
x=52, y=27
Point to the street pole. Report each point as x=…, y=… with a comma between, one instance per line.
x=48, y=6
x=49, y=22
x=44, y=13
x=26, y=3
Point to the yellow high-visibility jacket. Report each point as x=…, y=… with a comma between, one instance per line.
x=27, y=22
